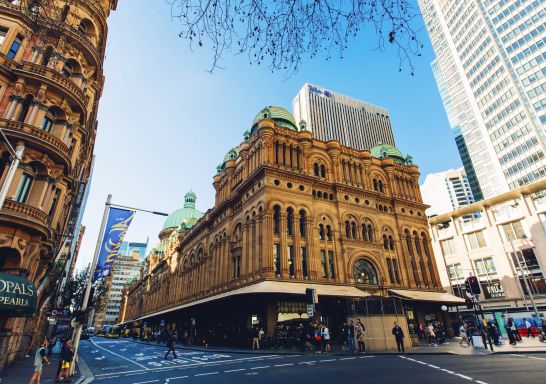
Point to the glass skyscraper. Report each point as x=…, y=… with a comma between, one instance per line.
x=490, y=69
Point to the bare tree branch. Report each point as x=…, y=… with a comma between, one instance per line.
x=284, y=32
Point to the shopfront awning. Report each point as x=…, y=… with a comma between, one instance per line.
x=279, y=287
x=439, y=297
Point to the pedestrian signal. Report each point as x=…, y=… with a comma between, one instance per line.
x=474, y=285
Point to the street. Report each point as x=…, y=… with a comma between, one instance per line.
x=126, y=362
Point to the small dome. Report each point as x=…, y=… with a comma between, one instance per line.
x=280, y=115
x=232, y=154
x=187, y=215
x=386, y=150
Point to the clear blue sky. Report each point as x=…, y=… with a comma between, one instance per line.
x=165, y=123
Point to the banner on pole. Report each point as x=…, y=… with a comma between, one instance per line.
x=116, y=228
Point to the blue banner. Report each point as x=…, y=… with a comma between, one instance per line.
x=116, y=228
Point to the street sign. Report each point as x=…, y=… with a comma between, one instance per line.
x=310, y=310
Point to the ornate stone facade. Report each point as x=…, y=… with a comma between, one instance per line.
x=51, y=80
x=293, y=209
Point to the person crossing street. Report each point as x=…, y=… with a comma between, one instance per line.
x=399, y=337
x=171, y=341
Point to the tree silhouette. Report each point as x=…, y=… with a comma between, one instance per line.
x=283, y=32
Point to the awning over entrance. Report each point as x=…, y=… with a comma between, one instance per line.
x=439, y=297
x=282, y=287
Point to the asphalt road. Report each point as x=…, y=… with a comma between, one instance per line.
x=126, y=362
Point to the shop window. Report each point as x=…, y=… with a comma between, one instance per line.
x=365, y=273
x=23, y=189
x=15, y=46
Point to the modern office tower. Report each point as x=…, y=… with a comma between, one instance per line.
x=125, y=269
x=127, y=248
x=332, y=116
x=446, y=191
x=490, y=70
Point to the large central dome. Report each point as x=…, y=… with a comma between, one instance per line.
x=280, y=115
x=187, y=215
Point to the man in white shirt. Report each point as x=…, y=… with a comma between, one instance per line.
x=528, y=326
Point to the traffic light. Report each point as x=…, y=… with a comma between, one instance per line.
x=469, y=303
x=474, y=285
x=309, y=296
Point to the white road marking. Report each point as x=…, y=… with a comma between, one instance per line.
x=115, y=354
x=443, y=370
x=206, y=374
x=149, y=381
x=175, y=378
x=262, y=367
x=348, y=358
x=235, y=370
x=284, y=365
x=325, y=360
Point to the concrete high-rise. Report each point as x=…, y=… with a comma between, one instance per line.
x=332, y=116
x=446, y=191
x=490, y=69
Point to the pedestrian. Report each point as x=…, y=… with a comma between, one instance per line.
x=51, y=344
x=256, y=338
x=66, y=359
x=39, y=359
x=171, y=341
x=326, y=336
x=431, y=334
x=318, y=338
x=464, y=336
x=351, y=336
x=359, y=331
x=63, y=353
x=515, y=330
x=399, y=337
x=528, y=325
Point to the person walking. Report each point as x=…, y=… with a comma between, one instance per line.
x=326, y=337
x=399, y=337
x=508, y=328
x=51, y=344
x=359, y=331
x=66, y=359
x=63, y=353
x=464, y=335
x=39, y=359
x=431, y=334
x=256, y=337
x=318, y=338
x=351, y=336
x=528, y=325
x=171, y=341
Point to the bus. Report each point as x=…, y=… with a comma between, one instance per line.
x=112, y=332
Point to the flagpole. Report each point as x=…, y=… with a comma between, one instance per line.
x=90, y=274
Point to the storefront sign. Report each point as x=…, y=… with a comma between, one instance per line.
x=17, y=296
x=492, y=289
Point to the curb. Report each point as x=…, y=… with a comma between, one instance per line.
x=86, y=374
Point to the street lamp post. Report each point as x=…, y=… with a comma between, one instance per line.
x=78, y=328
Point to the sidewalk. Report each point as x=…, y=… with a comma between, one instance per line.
x=451, y=347
x=21, y=370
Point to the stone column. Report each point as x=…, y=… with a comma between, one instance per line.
x=245, y=245
x=259, y=254
x=267, y=243
x=284, y=243
x=313, y=249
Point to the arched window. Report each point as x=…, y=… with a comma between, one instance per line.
x=328, y=233
x=68, y=69
x=370, y=233
x=323, y=171
x=321, y=232
x=417, y=244
x=408, y=242
x=353, y=230
x=365, y=273
x=303, y=223
x=375, y=185
x=385, y=242
x=27, y=102
x=276, y=219
x=316, y=169
x=48, y=121
x=347, y=229
x=365, y=232
x=290, y=221
x=380, y=186
x=425, y=244
x=391, y=243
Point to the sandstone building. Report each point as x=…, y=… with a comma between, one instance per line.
x=293, y=212
x=51, y=80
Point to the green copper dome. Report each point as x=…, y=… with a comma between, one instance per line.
x=386, y=150
x=187, y=215
x=232, y=154
x=280, y=115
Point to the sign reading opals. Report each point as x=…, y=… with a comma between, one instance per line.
x=17, y=296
